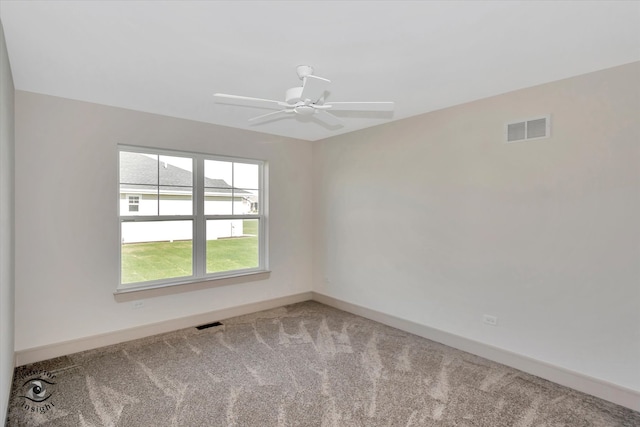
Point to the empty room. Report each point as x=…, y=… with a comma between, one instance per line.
x=320, y=213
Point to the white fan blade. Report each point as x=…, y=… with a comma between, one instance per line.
x=327, y=118
x=248, y=102
x=273, y=115
x=362, y=106
x=314, y=88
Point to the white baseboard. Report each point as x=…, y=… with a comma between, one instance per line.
x=596, y=387
x=36, y=354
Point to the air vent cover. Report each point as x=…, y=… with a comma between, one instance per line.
x=208, y=325
x=524, y=130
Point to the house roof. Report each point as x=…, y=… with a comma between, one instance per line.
x=142, y=174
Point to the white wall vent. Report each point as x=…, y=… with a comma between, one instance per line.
x=524, y=130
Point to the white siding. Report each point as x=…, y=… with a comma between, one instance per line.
x=159, y=231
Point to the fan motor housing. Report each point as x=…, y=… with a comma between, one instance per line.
x=304, y=110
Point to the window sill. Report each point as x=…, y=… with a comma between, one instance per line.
x=133, y=292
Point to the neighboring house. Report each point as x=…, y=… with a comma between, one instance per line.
x=150, y=186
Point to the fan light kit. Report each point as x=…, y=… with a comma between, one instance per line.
x=305, y=100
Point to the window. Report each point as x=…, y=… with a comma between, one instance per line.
x=134, y=203
x=187, y=217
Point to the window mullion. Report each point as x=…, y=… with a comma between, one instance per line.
x=158, y=185
x=263, y=236
x=233, y=186
x=199, y=225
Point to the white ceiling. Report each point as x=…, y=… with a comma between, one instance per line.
x=169, y=57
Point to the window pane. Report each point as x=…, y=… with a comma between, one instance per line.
x=218, y=171
x=138, y=168
x=175, y=171
x=147, y=203
x=176, y=185
x=232, y=245
x=156, y=250
x=176, y=201
x=218, y=190
x=218, y=201
x=246, y=175
x=237, y=201
x=247, y=201
x=139, y=175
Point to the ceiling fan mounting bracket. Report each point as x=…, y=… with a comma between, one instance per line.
x=304, y=71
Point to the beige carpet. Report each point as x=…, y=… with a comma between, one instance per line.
x=301, y=365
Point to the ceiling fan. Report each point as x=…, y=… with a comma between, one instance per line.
x=305, y=100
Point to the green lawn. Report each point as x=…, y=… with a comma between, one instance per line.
x=232, y=254
x=157, y=260
x=250, y=226
x=142, y=262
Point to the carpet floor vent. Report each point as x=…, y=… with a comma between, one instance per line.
x=208, y=325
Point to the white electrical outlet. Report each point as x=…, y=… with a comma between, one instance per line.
x=489, y=319
x=137, y=304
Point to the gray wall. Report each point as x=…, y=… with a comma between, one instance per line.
x=6, y=227
x=67, y=244
x=436, y=220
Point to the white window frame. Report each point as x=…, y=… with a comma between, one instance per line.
x=199, y=219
